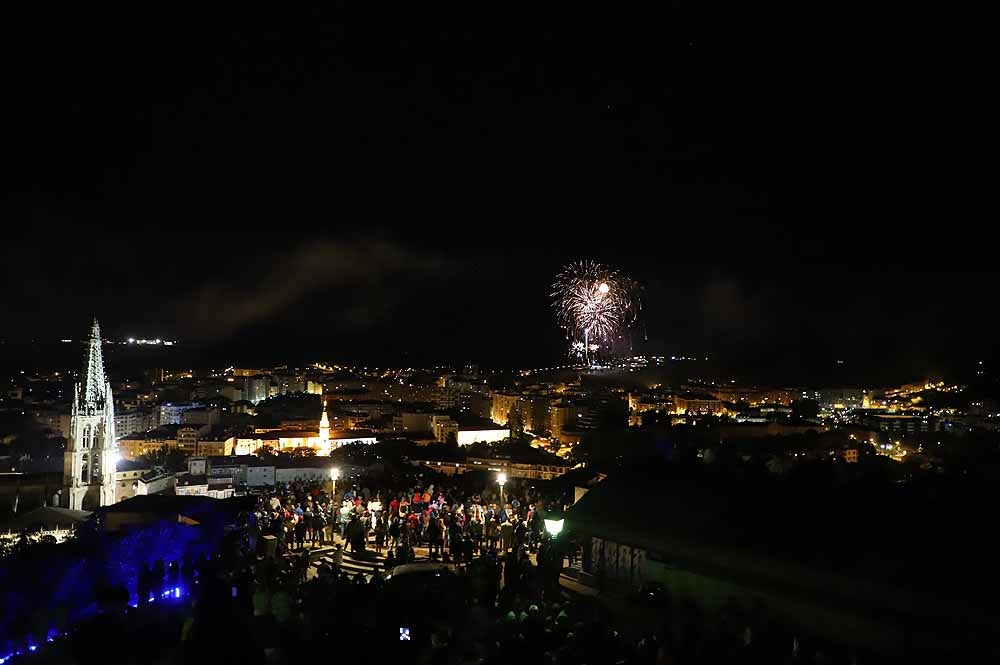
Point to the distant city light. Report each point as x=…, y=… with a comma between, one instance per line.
x=150, y=342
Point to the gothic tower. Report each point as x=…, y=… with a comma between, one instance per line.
x=324, y=431
x=91, y=451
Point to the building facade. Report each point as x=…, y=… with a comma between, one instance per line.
x=502, y=405
x=172, y=414
x=134, y=448
x=698, y=404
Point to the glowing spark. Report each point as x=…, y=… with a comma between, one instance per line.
x=593, y=304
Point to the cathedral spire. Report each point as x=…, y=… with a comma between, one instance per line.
x=91, y=447
x=94, y=386
x=324, y=425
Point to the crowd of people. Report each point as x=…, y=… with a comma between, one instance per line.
x=259, y=601
x=441, y=519
x=513, y=609
x=510, y=611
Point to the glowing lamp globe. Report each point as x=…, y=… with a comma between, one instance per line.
x=501, y=479
x=334, y=473
x=553, y=526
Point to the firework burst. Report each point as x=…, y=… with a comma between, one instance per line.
x=593, y=304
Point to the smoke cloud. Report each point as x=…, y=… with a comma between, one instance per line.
x=260, y=290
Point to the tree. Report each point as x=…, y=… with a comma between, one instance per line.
x=479, y=449
x=515, y=423
x=805, y=409
x=171, y=459
x=355, y=453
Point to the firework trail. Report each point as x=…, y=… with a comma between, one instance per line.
x=593, y=303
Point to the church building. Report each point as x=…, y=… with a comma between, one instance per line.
x=91, y=449
x=321, y=441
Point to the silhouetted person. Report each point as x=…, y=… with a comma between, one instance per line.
x=159, y=573
x=144, y=584
x=187, y=573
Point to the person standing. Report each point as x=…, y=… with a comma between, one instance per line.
x=360, y=537
x=520, y=535
x=475, y=530
x=307, y=519
x=423, y=526
x=380, y=532
x=394, y=527
x=394, y=507
x=468, y=549
x=300, y=531
x=434, y=536
x=493, y=533
x=455, y=536
x=506, y=536
x=302, y=566
x=338, y=558
x=390, y=561
x=326, y=534
x=375, y=508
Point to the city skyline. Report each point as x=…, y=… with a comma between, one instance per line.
x=491, y=334
x=880, y=357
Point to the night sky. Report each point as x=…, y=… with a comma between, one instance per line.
x=399, y=188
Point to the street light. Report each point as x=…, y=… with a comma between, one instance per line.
x=334, y=475
x=553, y=560
x=501, y=481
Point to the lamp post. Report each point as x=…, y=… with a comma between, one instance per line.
x=334, y=475
x=553, y=527
x=501, y=481
x=334, y=508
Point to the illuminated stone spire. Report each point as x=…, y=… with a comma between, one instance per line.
x=324, y=425
x=95, y=387
x=91, y=448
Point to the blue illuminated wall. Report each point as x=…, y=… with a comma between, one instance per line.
x=48, y=588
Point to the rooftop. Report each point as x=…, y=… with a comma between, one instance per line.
x=810, y=531
x=187, y=480
x=46, y=517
